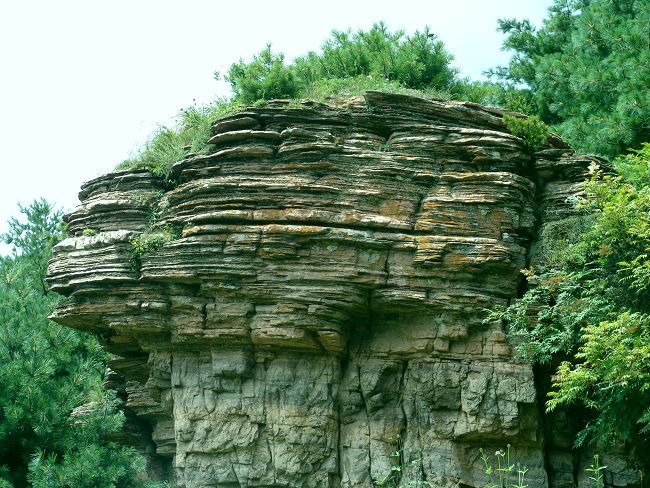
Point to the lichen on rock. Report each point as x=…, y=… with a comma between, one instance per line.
x=323, y=299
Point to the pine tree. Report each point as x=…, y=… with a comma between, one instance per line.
x=588, y=71
x=46, y=370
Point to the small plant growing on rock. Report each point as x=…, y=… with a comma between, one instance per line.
x=88, y=232
x=505, y=468
x=595, y=471
x=521, y=477
x=149, y=242
x=394, y=477
x=531, y=130
x=385, y=147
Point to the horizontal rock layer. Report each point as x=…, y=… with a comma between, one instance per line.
x=303, y=305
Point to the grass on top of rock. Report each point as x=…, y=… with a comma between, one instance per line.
x=348, y=64
x=189, y=135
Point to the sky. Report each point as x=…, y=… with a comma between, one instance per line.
x=83, y=83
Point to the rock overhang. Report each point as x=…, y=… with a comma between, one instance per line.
x=352, y=247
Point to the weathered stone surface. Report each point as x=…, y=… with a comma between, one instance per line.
x=123, y=200
x=322, y=306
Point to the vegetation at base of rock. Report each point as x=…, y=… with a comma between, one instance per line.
x=393, y=478
x=595, y=472
x=589, y=305
x=531, y=130
x=498, y=476
x=587, y=71
x=46, y=371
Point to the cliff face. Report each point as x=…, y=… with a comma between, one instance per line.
x=303, y=306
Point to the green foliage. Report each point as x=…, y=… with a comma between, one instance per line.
x=493, y=94
x=151, y=241
x=189, y=136
x=505, y=467
x=418, y=61
x=88, y=460
x=46, y=370
x=595, y=471
x=32, y=239
x=325, y=88
x=587, y=71
x=349, y=64
x=395, y=475
x=264, y=78
x=377, y=58
x=611, y=375
x=590, y=305
x=531, y=130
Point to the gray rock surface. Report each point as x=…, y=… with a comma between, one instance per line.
x=309, y=310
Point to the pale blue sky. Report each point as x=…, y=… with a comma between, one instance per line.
x=83, y=82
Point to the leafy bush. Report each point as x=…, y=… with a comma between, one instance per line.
x=418, y=61
x=591, y=307
x=88, y=461
x=379, y=56
x=264, y=78
x=151, y=241
x=348, y=64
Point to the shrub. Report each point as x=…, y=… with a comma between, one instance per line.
x=590, y=307
x=151, y=241
x=531, y=130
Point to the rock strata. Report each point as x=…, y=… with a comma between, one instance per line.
x=303, y=305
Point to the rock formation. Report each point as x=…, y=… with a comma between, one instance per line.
x=303, y=306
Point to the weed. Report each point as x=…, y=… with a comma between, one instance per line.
x=521, y=477
x=385, y=147
x=149, y=242
x=393, y=478
x=88, y=232
x=595, y=471
x=504, y=470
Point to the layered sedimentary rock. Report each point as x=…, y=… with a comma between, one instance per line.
x=304, y=305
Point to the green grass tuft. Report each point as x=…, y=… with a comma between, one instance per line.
x=189, y=136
